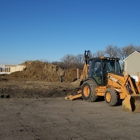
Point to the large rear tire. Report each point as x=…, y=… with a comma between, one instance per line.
x=88, y=91
x=111, y=97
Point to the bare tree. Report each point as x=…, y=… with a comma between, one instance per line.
x=138, y=48
x=126, y=51
x=98, y=54
x=68, y=60
x=113, y=51
x=79, y=60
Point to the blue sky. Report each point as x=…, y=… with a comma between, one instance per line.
x=47, y=30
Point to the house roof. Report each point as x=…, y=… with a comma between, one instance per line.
x=2, y=65
x=131, y=55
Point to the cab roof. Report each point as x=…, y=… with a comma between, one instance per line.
x=104, y=58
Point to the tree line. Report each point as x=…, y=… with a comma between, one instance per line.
x=70, y=61
x=77, y=61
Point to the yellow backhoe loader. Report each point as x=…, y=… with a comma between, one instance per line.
x=102, y=77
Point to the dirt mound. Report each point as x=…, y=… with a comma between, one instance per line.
x=37, y=70
x=71, y=74
x=37, y=80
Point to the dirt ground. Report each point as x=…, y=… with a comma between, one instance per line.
x=35, y=89
x=33, y=107
x=36, y=110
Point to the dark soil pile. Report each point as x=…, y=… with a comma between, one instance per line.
x=37, y=70
x=35, y=89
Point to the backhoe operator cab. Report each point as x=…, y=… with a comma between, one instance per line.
x=99, y=68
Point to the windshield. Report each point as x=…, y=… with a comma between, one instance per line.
x=109, y=66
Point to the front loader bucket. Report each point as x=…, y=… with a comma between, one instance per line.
x=131, y=103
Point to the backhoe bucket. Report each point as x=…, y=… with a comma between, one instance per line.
x=77, y=95
x=131, y=103
x=76, y=83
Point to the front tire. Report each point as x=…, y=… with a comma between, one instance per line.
x=111, y=97
x=88, y=91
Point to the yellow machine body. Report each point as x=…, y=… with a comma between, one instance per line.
x=112, y=86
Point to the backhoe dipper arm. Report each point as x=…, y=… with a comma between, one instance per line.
x=84, y=74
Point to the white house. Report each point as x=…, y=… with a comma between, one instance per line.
x=131, y=64
x=7, y=69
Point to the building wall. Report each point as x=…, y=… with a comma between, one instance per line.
x=7, y=69
x=131, y=64
x=17, y=68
